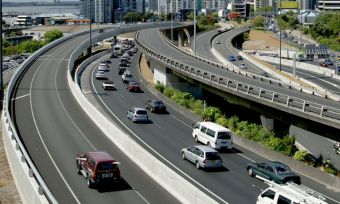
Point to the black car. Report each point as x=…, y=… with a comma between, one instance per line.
x=123, y=63
x=239, y=57
x=121, y=70
x=155, y=106
x=274, y=171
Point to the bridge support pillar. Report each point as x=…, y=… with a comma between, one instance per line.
x=180, y=38
x=267, y=123
x=165, y=76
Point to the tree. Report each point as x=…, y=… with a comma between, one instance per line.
x=52, y=35
x=190, y=15
x=258, y=22
x=30, y=46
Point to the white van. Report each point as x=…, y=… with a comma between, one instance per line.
x=290, y=193
x=117, y=50
x=213, y=135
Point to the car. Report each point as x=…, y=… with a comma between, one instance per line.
x=101, y=75
x=323, y=64
x=98, y=168
x=327, y=61
x=274, y=171
x=123, y=63
x=137, y=115
x=264, y=73
x=336, y=147
x=127, y=76
x=155, y=106
x=107, y=61
x=103, y=67
x=243, y=66
x=121, y=70
x=239, y=57
x=232, y=58
x=218, y=42
x=108, y=85
x=133, y=86
x=202, y=156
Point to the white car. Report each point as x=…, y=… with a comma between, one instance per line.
x=101, y=75
x=127, y=76
x=103, y=67
x=137, y=115
x=108, y=85
x=202, y=156
x=243, y=66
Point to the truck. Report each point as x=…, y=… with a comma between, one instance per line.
x=116, y=51
x=289, y=54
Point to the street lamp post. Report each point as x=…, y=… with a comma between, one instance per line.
x=172, y=31
x=90, y=28
x=280, y=30
x=1, y=78
x=194, y=27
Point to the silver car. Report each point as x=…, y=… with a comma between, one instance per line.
x=202, y=156
x=101, y=75
x=137, y=115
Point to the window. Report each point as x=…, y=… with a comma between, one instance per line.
x=283, y=200
x=270, y=169
x=268, y=194
x=141, y=112
x=197, y=126
x=224, y=135
x=203, y=129
x=212, y=156
x=210, y=133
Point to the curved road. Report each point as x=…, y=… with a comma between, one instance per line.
x=54, y=129
x=168, y=133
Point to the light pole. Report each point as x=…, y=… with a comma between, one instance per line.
x=90, y=50
x=194, y=27
x=280, y=30
x=1, y=78
x=172, y=31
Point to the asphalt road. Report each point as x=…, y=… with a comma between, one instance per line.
x=168, y=133
x=152, y=39
x=54, y=129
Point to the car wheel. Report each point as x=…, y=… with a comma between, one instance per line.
x=183, y=156
x=250, y=172
x=196, y=138
x=198, y=165
x=79, y=169
x=90, y=184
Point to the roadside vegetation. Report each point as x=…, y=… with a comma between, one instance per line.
x=29, y=46
x=205, y=22
x=251, y=131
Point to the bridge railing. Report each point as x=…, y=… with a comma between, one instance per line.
x=288, y=103
x=233, y=68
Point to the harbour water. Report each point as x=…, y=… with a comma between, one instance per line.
x=36, y=10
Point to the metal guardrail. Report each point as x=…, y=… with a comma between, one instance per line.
x=234, y=68
x=33, y=172
x=230, y=85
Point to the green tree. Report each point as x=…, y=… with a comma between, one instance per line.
x=258, y=22
x=190, y=15
x=30, y=46
x=52, y=35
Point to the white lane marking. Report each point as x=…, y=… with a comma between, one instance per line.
x=68, y=115
x=140, y=195
x=20, y=97
x=40, y=136
x=181, y=121
x=244, y=156
x=153, y=150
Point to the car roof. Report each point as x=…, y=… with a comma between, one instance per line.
x=100, y=156
x=137, y=109
x=214, y=126
x=205, y=148
x=275, y=163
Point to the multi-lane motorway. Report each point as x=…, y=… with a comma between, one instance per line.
x=168, y=133
x=54, y=129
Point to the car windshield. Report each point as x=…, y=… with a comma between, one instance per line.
x=224, y=135
x=281, y=169
x=128, y=75
x=141, y=112
x=159, y=103
x=108, y=165
x=212, y=155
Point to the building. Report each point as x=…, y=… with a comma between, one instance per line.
x=307, y=17
x=87, y=9
x=328, y=5
x=103, y=11
x=23, y=21
x=239, y=6
x=307, y=4
x=213, y=4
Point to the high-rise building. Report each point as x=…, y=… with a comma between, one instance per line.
x=329, y=5
x=99, y=11
x=153, y=5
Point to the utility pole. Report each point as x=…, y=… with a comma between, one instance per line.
x=90, y=28
x=172, y=31
x=1, y=77
x=195, y=27
x=280, y=29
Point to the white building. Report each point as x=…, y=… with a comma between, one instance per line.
x=328, y=5
x=239, y=6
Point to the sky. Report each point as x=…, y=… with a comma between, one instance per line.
x=34, y=0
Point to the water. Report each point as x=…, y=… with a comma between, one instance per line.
x=35, y=10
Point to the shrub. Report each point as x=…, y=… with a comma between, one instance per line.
x=197, y=106
x=284, y=145
x=301, y=155
x=232, y=122
x=159, y=87
x=222, y=121
x=329, y=167
x=211, y=113
x=182, y=98
x=169, y=91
